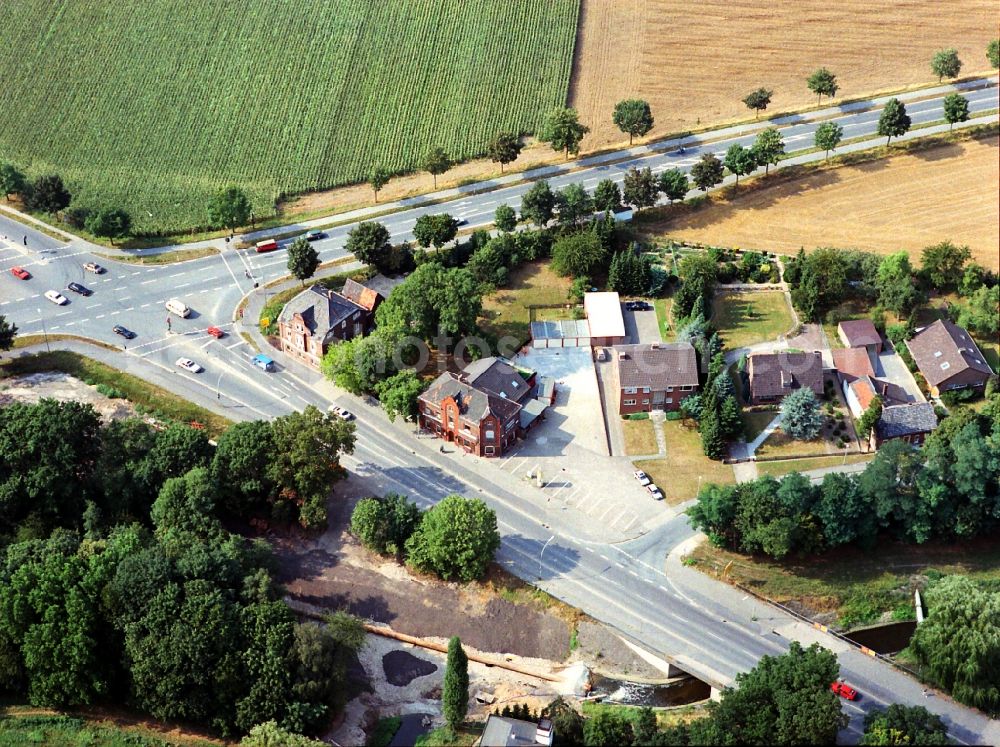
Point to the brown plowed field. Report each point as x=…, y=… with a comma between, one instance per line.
x=695, y=61
x=904, y=202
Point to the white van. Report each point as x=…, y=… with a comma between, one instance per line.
x=176, y=306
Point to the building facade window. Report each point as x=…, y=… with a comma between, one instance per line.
x=628, y=402
x=630, y=390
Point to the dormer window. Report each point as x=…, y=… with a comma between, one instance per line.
x=945, y=366
x=937, y=353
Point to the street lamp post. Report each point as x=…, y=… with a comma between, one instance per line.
x=540, y=554
x=45, y=332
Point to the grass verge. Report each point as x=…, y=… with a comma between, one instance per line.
x=19, y=726
x=465, y=735
x=685, y=466
x=640, y=437
x=26, y=341
x=746, y=318
x=778, y=468
x=665, y=717
x=162, y=404
x=850, y=586
x=164, y=258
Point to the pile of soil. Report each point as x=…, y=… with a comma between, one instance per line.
x=402, y=667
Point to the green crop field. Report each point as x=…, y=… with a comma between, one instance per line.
x=154, y=106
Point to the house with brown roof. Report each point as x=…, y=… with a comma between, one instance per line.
x=654, y=376
x=948, y=358
x=852, y=363
x=860, y=333
x=484, y=409
x=860, y=392
x=318, y=317
x=774, y=375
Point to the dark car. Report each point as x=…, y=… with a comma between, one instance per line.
x=315, y=235
x=123, y=331
x=81, y=289
x=642, y=306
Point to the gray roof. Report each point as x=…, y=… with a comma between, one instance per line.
x=545, y=387
x=501, y=731
x=321, y=309
x=474, y=403
x=498, y=376
x=943, y=349
x=904, y=420
x=531, y=410
x=560, y=329
x=778, y=374
x=657, y=365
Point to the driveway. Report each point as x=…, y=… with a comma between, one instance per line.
x=641, y=326
x=891, y=367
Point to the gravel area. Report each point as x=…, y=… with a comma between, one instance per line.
x=64, y=388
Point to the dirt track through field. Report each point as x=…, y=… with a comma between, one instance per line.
x=906, y=202
x=694, y=62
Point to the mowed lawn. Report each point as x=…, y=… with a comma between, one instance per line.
x=507, y=312
x=677, y=474
x=154, y=107
x=745, y=318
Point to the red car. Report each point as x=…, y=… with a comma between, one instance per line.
x=216, y=332
x=20, y=272
x=844, y=690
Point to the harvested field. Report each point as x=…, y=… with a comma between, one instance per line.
x=671, y=54
x=903, y=202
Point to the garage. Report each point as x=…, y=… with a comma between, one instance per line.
x=564, y=333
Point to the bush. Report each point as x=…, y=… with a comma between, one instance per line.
x=639, y=416
x=958, y=396
x=456, y=539
x=674, y=415
x=111, y=392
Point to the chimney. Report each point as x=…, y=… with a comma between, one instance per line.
x=654, y=346
x=544, y=733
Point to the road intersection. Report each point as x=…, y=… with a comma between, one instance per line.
x=711, y=629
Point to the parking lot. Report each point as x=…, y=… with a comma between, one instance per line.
x=641, y=326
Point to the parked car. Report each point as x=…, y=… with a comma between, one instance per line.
x=176, y=306
x=266, y=246
x=642, y=477
x=124, y=332
x=844, y=690
x=315, y=235
x=654, y=491
x=20, y=272
x=189, y=365
x=216, y=332
x=94, y=268
x=81, y=289
x=57, y=298
x=340, y=412
x=643, y=306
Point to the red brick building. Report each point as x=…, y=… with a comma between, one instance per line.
x=654, y=376
x=484, y=409
x=949, y=358
x=318, y=318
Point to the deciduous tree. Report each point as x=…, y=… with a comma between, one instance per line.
x=108, y=223
x=378, y=179
x=538, y=204
x=641, y=188
x=944, y=264
x=573, y=204
x=901, y=725
x=505, y=219
x=369, y=242
x=384, y=524
x=607, y=196
x=303, y=259
x=456, y=539
x=758, y=100
x=561, y=128
x=897, y=286
x=739, y=160
x=894, y=121
x=47, y=194
x=607, y=727
x=945, y=64
x=504, y=148
x=633, y=117
x=398, y=394
x=230, y=208
x=577, y=254
x=674, y=184
x=707, y=172
x=956, y=109
x=822, y=83
x=433, y=300
x=828, y=137
x=869, y=418
x=8, y=332
x=435, y=230
x=436, y=162
x=768, y=148
x=993, y=53
x=12, y=180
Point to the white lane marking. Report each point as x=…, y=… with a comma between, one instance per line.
x=234, y=345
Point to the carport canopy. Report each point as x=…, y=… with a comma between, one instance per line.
x=563, y=333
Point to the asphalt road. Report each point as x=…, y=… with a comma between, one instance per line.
x=708, y=627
